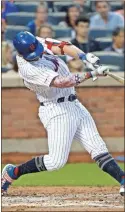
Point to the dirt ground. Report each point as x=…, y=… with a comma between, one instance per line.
x=74, y=157
x=63, y=199
x=60, y=198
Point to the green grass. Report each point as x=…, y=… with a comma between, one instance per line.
x=86, y=174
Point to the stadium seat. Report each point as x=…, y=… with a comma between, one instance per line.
x=104, y=42
x=115, y=5
x=26, y=7
x=11, y=31
x=62, y=6
x=99, y=33
x=4, y=69
x=56, y=17
x=21, y=18
x=111, y=58
x=62, y=32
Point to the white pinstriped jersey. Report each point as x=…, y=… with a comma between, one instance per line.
x=37, y=75
x=63, y=122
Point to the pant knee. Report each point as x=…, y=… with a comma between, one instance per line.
x=59, y=164
x=99, y=147
x=54, y=163
x=96, y=153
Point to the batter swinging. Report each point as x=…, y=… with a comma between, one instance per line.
x=63, y=116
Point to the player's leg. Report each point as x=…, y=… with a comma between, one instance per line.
x=61, y=130
x=88, y=134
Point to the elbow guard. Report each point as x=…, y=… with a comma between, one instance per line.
x=62, y=44
x=53, y=42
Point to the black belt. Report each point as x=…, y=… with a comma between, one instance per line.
x=71, y=98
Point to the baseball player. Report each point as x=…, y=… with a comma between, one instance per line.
x=62, y=115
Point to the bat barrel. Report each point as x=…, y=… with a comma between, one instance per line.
x=117, y=78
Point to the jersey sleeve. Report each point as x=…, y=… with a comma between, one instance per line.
x=38, y=75
x=48, y=43
x=45, y=45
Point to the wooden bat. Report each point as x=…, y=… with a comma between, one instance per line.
x=117, y=78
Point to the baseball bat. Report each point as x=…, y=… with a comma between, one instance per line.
x=117, y=78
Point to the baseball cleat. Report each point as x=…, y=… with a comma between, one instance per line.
x=122, y=188
x=7, y=178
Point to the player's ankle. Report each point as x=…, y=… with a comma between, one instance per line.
x=16, y=171
x=109, y=165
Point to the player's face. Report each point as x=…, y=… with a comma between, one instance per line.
x=46, y=32
x=42, y=14
x=82, y=29
x=73, y=13
x=119, y=40
x=102, y=8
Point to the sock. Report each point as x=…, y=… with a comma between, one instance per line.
x=108, y=164
x=31, y=166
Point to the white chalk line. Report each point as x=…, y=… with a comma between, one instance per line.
x=61, y=201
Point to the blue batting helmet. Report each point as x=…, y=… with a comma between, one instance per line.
x=27, y=45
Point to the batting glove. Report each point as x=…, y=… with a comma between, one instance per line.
x=102, y=70
x=90, y=60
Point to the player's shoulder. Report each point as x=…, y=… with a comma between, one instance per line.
x=41, y=40
x=20, y=60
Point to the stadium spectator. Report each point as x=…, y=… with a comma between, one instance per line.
x=73, y=12
x=7, y=55
x=82, y=39
x=41, y=18
x=118, y=41
x=3, y=27
x=74, y=64
x=83, y=9
x=8, y=7
x=83, y=42
x=105, y=18
x=45, y=31
x=122, y=11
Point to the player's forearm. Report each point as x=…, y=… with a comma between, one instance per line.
x=72, y=51
x=70, y=81
x=67, y=49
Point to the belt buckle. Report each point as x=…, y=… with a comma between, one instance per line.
x=72, y=97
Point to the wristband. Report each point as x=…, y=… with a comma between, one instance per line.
x=82, y=56
x=88, y=75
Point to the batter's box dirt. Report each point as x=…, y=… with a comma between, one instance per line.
x=63, y=199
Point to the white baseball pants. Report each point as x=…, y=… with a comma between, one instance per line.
x=64, y=122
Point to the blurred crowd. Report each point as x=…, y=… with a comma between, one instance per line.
x=79, y=18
